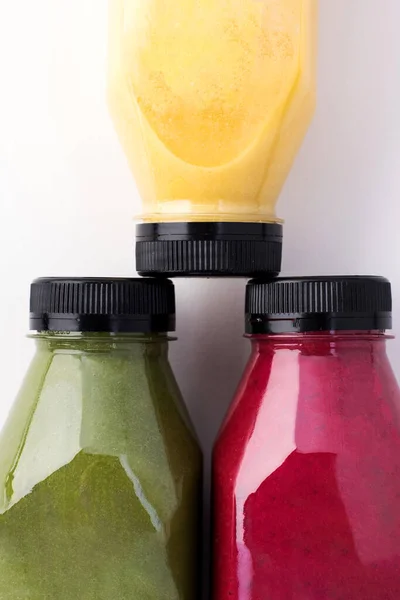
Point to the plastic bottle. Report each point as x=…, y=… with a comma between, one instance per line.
x=211, y=101
x=100, y=471
x=307, y=465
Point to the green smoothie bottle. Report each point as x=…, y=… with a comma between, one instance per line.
x=100, y=470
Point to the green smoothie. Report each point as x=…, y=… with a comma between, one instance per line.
x=100, y=474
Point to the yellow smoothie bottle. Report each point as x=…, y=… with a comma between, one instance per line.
x=211, y=100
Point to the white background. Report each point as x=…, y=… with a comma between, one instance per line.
x=67, y=197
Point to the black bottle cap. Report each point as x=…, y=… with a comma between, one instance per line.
x=102, y=305
x=209, y=249
x=305, y=304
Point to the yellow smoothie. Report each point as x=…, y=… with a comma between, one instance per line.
x=211, y=100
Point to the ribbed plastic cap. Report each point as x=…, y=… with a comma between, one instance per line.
x=102, y=305
x=209, y=249
x=318, y=304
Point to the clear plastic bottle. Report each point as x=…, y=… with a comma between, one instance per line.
x=211, y=101
x=100, y=471
x=307, y=464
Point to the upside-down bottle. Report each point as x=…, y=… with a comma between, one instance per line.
x=211, y=100
x=307, y=464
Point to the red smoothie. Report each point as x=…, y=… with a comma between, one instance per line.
x=307, y=470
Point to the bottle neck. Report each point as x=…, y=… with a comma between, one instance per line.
x=155, y=344
x=322, y=343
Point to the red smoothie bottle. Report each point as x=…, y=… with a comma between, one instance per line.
x=306, y=469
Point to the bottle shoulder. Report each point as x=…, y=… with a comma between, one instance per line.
x=72, y=406
x=293, y=401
